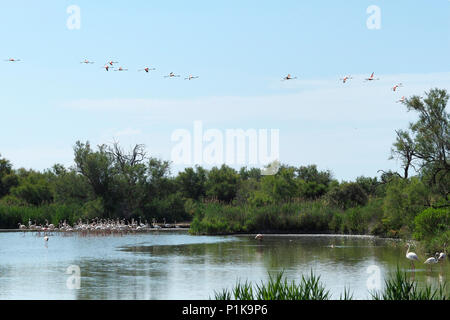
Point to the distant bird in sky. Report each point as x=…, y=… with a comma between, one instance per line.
x=12, y=60
x=394, y=88
x=147, y=69
x=106, y=67
x=171, y=75
x=402, y=99
x=86, y=61
x=121, y=69
x=372, y=78
x=411, y=256
x=111, y=62
x=190, y=77
x=288, y=77
x=346, y=78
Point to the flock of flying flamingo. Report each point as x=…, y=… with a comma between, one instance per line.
x=110, y=65
x=348, y=77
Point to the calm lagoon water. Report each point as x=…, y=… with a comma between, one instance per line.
x=176, y=265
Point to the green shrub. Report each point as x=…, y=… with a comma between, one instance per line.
x=431, y=222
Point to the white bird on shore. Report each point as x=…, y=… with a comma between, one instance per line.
x=22, y=227
x=411, y=256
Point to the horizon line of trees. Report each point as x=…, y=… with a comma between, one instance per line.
x=109, y=182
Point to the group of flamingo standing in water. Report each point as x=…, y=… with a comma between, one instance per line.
x=438, y=256
x=96, y=227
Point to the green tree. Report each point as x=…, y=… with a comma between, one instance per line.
x=222, y=183
x=8, y=179
x=404, y=200
x=348, y=195
x=192, y=182
x=427, y=142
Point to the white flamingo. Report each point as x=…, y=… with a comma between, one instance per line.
x=402, y=99
x=22, y=227
x=107, y=67
x=288, y=77
x=12, y=60
x=46, y=238
x=172, y=75
x=432, y=260
x=121, y=69
x=191, y=77
x=372, y=77
x=411, y=256
x=346, y=78
x=394, y=88
x=86, y=61
x=147, y=69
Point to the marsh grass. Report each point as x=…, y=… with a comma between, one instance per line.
x=398, y=287
x=277, y=288
x=10, y=216
x=401, y=287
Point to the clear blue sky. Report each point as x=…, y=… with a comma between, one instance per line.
x=240, y=50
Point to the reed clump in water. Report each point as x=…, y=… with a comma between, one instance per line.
x=277, y=288
x=401, y=287
x=398, y=287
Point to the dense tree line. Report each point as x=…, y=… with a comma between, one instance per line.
x=109, y=182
